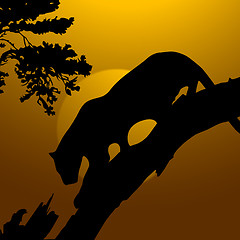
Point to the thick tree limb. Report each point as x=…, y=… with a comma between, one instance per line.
x=104, y=189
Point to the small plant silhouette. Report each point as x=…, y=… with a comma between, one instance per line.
x=38, y=226
x=37, y=66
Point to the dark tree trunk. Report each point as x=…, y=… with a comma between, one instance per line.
x=104, y=190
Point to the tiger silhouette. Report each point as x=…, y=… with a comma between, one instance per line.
x=146, y=92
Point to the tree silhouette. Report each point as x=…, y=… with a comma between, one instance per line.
x=37, y=65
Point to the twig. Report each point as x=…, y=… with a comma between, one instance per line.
x=6, y=40
x=25, y=39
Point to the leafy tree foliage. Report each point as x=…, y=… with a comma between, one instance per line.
x=37, y=66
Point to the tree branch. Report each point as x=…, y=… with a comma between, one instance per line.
x=103, y=190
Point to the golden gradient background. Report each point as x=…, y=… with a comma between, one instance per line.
x=197, y=196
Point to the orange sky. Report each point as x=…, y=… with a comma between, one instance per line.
x=197, y=196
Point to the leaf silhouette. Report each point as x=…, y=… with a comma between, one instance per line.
x=12, y=10
x=57, y=26
x=37, y=66
x=2, y=77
